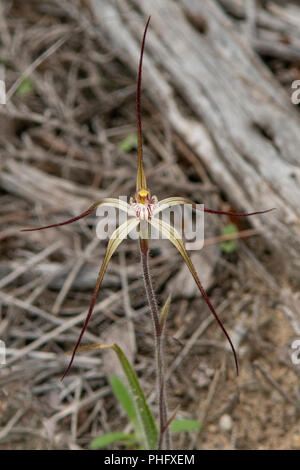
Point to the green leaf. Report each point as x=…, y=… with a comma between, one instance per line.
x=229, y=246
x=147, y=432
x=25, y=88
x=111, y=438
x=180, y=425
x=124, y=397
x=145, y=422
x=129, y=143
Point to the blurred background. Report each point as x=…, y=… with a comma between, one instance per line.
x=221, y=126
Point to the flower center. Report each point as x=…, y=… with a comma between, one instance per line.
x=142, y=196
x=143, y=204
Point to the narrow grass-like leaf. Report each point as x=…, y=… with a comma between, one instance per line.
x=111, y=438
x=145, y=423
x=124, y=397
x=145, y=419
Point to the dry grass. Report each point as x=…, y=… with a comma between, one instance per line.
x=60, y=150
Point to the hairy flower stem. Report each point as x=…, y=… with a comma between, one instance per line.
x=164, y=433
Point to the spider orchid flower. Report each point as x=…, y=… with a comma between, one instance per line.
x=142, y=212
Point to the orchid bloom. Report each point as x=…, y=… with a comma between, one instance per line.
x=143, y=209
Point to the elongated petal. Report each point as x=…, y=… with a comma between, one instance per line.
x=172, y=201
x=108, y=201
x=238, y=214
x=176, y=200
x=141, y=178
x=117, y=237
x=174, y=237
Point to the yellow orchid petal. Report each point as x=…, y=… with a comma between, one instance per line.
x=143, y=193
x=141, y=178
x=116, y=238
x=174, y=237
